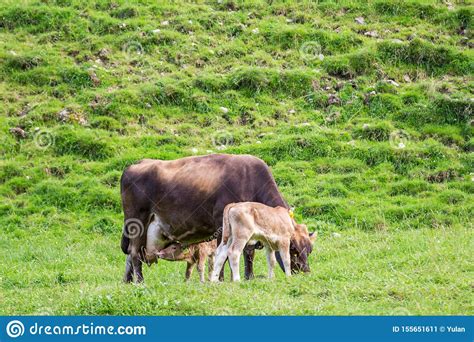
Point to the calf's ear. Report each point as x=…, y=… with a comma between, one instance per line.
x=313, y=236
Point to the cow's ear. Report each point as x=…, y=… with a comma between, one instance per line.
x=313, y=236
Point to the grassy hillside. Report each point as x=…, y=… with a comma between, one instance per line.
x=363, y=110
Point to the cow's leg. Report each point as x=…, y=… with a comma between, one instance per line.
x=189, y=270
x=285, y=257
x=201, y=265
x=271, y=262
x=220, y=258
x=128, y=276
x=136, y=222
x=249, y=254
x=137, y=266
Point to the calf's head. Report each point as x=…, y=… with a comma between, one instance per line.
x=301, y=247
x=173, y=252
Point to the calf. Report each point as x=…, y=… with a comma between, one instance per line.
x=275, y=228
x=194, y=254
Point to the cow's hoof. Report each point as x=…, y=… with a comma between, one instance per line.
x=127, y=278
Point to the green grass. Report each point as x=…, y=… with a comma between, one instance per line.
x=367, y=128
x=421, y=271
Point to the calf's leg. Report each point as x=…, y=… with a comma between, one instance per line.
x=210, y=266
x=189, y=270
x=234, y=253
x=218, y=216
x=201, y=266
x=221, y=272
x=285, y=257
x=220, y=258
x=271, y=262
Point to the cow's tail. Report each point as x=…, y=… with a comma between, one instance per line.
x=124, y=184
x=226, y=228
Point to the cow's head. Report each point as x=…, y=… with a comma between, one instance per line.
x=173, y=252
x=301, y=247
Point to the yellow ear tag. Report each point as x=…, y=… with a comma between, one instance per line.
x=292, y=215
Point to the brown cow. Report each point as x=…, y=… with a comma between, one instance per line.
x=195, y=254
x=275, y=228
x=183, y=200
